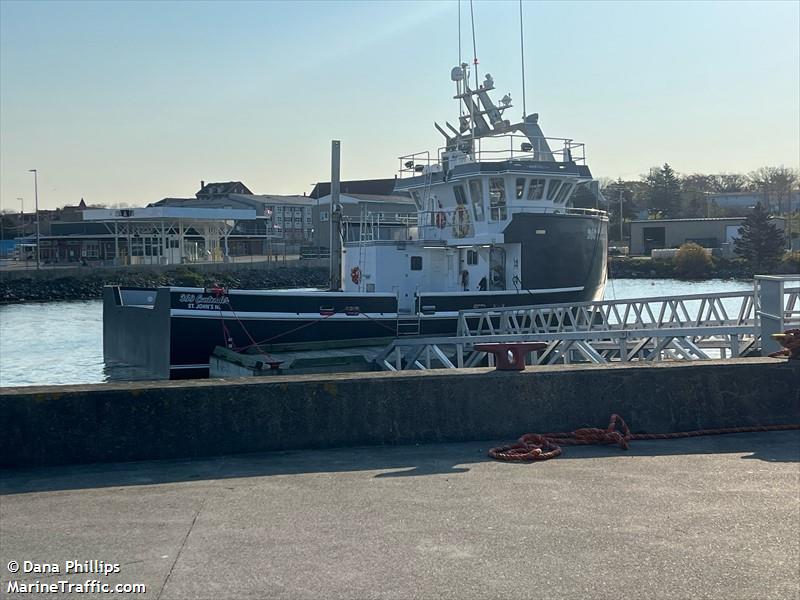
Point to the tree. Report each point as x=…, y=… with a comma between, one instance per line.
x=760, y=243
x=612, y=192
x=663, y=191
x=692, y=261
x=730, y=182
x=695, y=189
x=775, y=184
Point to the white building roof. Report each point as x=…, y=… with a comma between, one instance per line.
x=159, y=213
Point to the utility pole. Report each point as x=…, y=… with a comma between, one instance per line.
x=335, y=259
x=621, y=238
x=36, y=196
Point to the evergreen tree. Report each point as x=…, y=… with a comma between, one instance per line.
x=760, y=243
x=612, y=193
x=663, y=192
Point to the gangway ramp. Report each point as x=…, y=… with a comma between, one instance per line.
x=691, y=327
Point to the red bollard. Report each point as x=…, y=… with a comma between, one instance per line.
x=510, y=356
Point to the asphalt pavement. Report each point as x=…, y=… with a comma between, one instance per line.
x=715, y=517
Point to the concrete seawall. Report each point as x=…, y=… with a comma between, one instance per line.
x=153, y=420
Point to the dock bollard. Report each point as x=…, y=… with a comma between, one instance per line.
x=510, y=356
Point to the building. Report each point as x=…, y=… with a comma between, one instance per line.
x=281, y=220
x=374, y=187
x=647, y=235
x=280, y=224
x=387, y=216
x=153, y=235
x=747, y=200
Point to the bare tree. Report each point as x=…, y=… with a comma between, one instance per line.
x=775, y=184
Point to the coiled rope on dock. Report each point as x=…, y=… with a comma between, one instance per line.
x=543, y=446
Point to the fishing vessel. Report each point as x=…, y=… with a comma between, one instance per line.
x=495, y=226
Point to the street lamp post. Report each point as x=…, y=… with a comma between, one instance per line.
x=36, y=196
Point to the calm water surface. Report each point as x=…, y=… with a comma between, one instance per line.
x=62, y=342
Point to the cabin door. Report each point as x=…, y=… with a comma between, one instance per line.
x=497, y=268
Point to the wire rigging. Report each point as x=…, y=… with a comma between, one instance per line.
x=522, y=54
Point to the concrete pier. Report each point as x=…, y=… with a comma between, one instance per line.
x=183, y=419
x=715, y=517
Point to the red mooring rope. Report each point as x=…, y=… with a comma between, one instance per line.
x=542, y=446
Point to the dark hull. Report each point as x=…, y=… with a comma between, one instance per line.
x=176, y=343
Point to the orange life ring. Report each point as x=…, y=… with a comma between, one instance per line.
x=355, y=275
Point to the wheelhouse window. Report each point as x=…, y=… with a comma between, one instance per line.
x=461, y=196
x=536, y=189
x=417, y=199
x=416, y=263
x=520, y=188
x=497, y=198
x=553, y=189
x=564, y=192
x=476, y=195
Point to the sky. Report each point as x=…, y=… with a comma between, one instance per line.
x=130, y=102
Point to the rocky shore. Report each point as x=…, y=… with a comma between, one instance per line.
x=623, y=267
x=89, y=285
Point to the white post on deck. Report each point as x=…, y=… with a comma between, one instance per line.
x=770, y=310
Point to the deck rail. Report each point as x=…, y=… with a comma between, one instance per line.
x=496, y=149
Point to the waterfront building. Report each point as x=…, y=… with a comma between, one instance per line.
x=651, y=234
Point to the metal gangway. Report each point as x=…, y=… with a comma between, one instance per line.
x=691, y=327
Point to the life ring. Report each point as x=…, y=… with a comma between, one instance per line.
x=441, y=220
x=461, y=222
x=355, y=275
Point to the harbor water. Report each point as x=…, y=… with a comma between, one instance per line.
x=62, y=342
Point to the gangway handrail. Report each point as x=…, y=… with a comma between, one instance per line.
x=691, y=327
x=689, y=297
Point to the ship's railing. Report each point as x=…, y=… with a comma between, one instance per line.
x=495, y=149
x=375, y=226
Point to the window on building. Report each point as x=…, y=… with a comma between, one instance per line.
x=536, y=189
x=497, y=199
x=92, y=249
x=520, y=187
x=416, y=263
x=323, y=215
x=476, y=195
x=472, y=257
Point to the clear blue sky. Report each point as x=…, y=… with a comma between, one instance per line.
x=134, y=101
